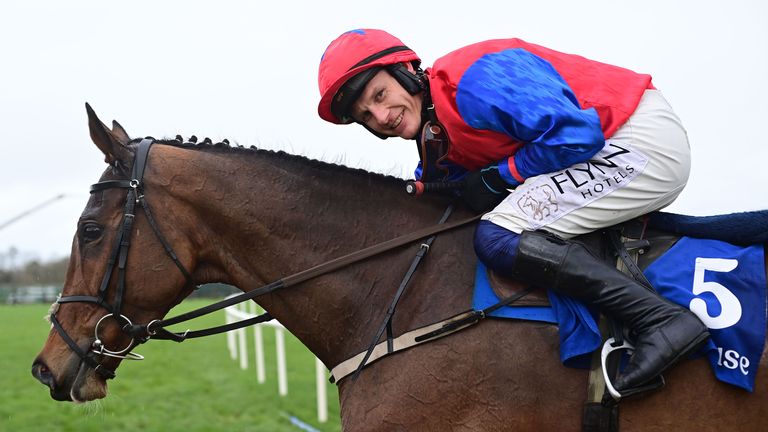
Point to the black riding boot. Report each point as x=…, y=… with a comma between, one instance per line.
x=665, y=331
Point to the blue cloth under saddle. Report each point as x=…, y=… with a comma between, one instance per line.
x=722, y=283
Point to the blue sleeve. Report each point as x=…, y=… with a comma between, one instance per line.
x=521, y=95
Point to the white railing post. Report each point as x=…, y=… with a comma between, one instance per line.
x=282, y=374
x=258, y=340
x=322, y=395
x=243, y=351
x=231, y=338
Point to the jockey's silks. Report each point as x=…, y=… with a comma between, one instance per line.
x=507, y=97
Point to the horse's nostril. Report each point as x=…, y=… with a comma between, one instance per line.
x=42, y=373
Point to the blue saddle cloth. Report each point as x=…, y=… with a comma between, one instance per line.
x=722, y=283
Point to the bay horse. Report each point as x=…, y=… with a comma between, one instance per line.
x=246, y=217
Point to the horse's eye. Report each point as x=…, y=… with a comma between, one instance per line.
x=90, y=232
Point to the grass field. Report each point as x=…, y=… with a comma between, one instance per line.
x=192, y=386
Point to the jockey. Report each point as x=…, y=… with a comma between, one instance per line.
x=552, y=146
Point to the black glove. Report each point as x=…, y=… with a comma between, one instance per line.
x=484, y=189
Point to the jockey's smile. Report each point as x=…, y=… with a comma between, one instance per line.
x=387, y=108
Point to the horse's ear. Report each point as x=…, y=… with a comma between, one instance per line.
x=107, y=141
x=120, y=133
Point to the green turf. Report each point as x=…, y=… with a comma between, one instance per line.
x=192, y=386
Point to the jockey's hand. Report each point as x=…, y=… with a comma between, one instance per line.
x=484, y=189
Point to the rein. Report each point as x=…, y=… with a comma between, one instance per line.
x=156, y=329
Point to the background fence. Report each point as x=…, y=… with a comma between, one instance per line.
x=238, y=350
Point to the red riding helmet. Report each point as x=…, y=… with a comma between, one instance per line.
x=357, y=54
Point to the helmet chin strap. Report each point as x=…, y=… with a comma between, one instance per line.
x=412, y=82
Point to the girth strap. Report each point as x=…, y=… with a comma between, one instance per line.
x=420, y=335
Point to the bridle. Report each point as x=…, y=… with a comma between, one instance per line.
x=117, y=261
x=156, y=329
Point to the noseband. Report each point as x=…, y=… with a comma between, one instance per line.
x=117, y=260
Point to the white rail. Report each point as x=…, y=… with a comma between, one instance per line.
x=238, y=349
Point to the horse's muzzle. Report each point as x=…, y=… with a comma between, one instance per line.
x=43, y=374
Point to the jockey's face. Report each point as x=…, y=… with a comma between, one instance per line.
x=387, y=108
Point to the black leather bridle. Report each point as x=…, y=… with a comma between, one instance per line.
x=117, y=261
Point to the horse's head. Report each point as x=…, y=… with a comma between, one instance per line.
x=121, y=273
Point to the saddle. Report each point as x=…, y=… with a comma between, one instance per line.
x=654, y=233
x=650, y=243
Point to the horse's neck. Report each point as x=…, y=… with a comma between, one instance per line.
x=271, y=216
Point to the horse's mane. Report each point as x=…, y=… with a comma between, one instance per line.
x=224, y=146
x=742, y=228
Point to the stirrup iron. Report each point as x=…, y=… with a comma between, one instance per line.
x=610, y=346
